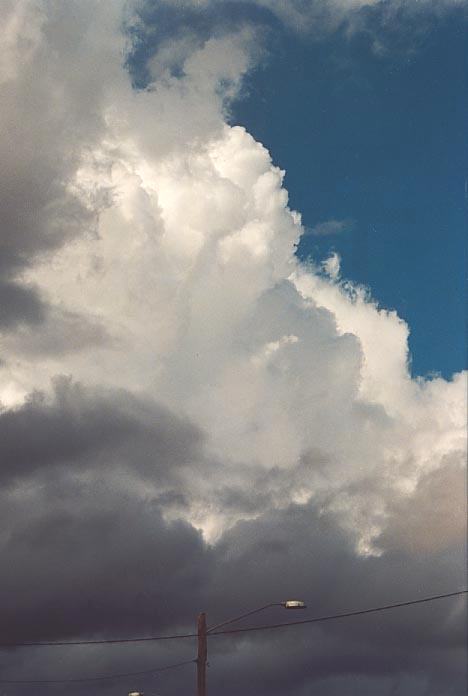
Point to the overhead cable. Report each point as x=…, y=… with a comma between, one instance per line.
x=343, y=615
x=110, y=641
x=99, y=641
x=106, y=677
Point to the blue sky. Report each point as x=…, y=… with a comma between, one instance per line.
x=376, y=139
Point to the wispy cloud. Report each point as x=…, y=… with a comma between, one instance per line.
x=329, y=227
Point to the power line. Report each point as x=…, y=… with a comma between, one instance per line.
x=102, y=641
x=93, y=679
x=156, y=670
x=143, y=639
x=344, y=615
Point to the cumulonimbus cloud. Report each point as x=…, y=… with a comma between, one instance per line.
x=212, y=381
x=183, y=261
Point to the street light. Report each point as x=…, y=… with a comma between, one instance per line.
x=295, y=604
x=288, y=604
x=203, y=633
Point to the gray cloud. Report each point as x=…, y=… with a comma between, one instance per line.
x=76, y=518
x=77, y=425
x=87, y=556
x=106, y=562
x=91, y=578
x=19, y=304
x=434, y=516
x=33, y=328
x=300, y=552
x=39, y=152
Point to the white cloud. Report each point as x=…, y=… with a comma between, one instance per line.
x=328, y=14
x=321, y=16
x=182, y=262
x=332, y=266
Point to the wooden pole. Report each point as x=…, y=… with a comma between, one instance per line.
x=202, y=655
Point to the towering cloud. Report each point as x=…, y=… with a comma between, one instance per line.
x=174, y=381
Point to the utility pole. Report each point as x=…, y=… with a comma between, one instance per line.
x=202, y=655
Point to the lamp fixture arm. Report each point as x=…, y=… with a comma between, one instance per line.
x=243, y=616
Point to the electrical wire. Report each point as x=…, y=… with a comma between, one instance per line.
x=110, y=641
x=100, y=641
x=343, y=615
x=156, y=670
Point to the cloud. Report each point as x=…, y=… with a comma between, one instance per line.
x=92, y=579
x=90, y=576
x=75, y=424
x=300, y=551
x=316, y=17
x=328, y=227
x=388, y=23
x=433, y=517
x=233, y=423
x=332, y=266
x=19, y=305
x=88, y=479
x=183, y=286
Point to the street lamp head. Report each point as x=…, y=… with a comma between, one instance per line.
x=294, y=604
x=135, y=693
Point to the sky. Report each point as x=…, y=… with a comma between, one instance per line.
x=375, y=140
x=232, y=341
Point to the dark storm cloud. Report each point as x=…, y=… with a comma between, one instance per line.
x=86, y=428
x=37, y=328
x=60, y=332
x=104, y=560
x=91, y=576
x=50, y=114
x=75, y=517
x=301, y=553
x=36, y=213
x=19, y=304
x=107, y=563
